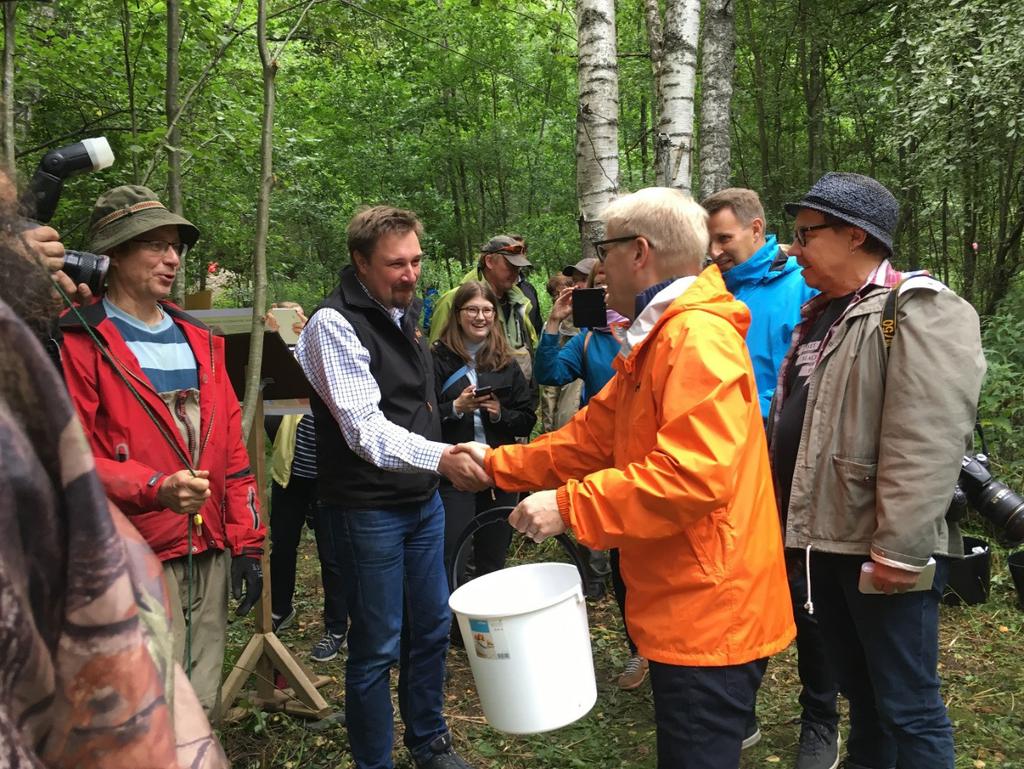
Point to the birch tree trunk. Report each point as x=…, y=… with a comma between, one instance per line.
x=656, y=42
x=10, y=19
x=678, y=83
x=597, y=118
x=718, y=63
x=173, y=133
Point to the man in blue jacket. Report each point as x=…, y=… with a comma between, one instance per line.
x=761, y=275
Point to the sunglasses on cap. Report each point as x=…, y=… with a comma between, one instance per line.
x=515, y=248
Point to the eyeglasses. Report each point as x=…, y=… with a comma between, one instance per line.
x=800, y=233
x=161, y=246
x=476, y=312
x=599, y=245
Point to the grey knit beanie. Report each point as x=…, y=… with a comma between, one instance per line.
x=856, y=199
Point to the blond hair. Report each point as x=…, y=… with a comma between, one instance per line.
x=672, y=222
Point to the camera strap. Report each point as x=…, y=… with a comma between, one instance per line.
x=185, y=460
x=890, y=313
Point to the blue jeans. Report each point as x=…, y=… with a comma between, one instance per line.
x=884, y=650
x=393, y=562
x=702, y=713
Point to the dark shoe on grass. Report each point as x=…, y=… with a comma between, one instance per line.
x=282, y=622
x=444, y=756
x=327, y=648
x=819, y=747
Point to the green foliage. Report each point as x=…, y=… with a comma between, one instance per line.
x=1001, y=410
x=465, y=112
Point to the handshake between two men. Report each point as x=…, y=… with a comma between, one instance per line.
x=536, y=516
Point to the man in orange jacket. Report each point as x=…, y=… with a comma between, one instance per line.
x=668, y=463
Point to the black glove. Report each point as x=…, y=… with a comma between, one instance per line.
x=246, y=568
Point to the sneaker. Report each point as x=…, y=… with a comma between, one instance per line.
x=634, y=673
x=280, y=623
x=444, y=756
x=753, y=734
x=327, y=648
x=819, y=747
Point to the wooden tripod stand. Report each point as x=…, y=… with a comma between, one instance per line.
x=265, y=655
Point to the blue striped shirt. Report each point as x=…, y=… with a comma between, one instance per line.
x=161, y=350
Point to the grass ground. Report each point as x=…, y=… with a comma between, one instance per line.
x=982, y=666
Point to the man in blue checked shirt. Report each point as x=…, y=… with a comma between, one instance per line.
x=380, y=459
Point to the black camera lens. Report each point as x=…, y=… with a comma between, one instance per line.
x=994, y=500
x=83, y=267
x=1005, y=508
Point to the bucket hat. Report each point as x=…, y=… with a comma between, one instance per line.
x=513, y=251
x=584, y=266
x=856, y=199
x=128, y=211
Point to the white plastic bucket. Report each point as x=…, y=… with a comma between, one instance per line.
x=528, y=643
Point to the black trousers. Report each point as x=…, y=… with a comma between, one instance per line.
x=819, y=688
x=490, y=544
x=619, y=587
x=292, y=507
x=702, y=713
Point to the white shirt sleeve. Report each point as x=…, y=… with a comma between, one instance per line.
x=338, y=367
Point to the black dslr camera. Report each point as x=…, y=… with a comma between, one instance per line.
x=40, y=200
x=992, y=499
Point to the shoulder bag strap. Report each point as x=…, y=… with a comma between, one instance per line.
x=455, y=377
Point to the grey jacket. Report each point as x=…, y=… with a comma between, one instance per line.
x=882, y=440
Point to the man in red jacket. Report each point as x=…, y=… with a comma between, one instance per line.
x=153, y=395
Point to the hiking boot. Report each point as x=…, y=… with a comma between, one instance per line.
x=444, y=756
x=327, y=648
x=752, y=735
x=634, y=673
x=280, y=623
x=819, y=747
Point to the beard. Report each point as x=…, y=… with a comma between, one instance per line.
x=402, y=296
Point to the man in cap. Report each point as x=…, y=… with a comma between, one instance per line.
x=501, y=259
x=529, y=290
x=874, y=410
x=580, y=271
x=164, y=425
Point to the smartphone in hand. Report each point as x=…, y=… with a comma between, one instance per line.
x=588, y=308
x=925, y=578
x=497, y=392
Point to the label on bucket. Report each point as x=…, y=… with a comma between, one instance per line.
x=489, y=641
